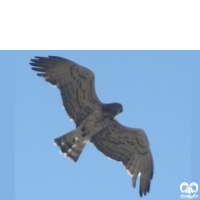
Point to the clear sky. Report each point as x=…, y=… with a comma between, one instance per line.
x=154, y=88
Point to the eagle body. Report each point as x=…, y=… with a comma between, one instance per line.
x=95, y=121
x=72, y=143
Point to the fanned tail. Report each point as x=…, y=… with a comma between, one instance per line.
x=70, y=145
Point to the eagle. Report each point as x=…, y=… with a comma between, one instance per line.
x=95, y=121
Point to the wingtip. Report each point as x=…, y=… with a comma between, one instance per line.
x=41, y=58
x=32, y=63
x=140, y=194
x=134, y=179
x=143, y=193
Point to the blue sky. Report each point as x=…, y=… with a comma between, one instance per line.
x=154, y=88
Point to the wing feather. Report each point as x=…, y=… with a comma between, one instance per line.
x=131, y=146
x=76, y=84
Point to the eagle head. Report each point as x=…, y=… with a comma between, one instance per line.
x=111, y=110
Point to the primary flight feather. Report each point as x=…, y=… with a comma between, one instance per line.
x=95, y=121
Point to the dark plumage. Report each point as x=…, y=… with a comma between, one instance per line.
x=95, y=121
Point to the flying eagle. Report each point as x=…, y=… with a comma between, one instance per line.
x=95, y=121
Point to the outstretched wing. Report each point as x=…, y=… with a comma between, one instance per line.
x=130, y=146
x=76, y=84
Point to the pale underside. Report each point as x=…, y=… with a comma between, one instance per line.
x=95, y=121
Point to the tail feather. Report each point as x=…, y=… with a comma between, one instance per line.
x=70, y=145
